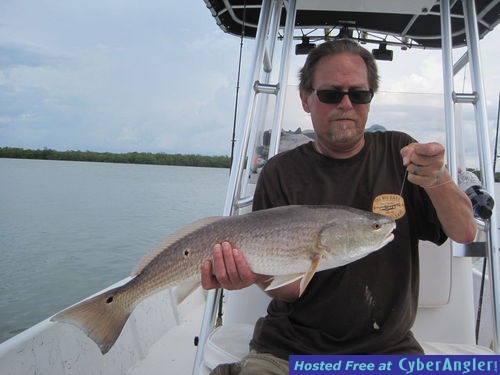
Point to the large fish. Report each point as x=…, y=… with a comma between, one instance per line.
x=287, y=243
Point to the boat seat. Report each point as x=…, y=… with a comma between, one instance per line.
x=445, y=303
x=229, y=344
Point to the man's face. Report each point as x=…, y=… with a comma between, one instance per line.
x=339, y=127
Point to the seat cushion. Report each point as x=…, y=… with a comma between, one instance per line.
x=455, y=349
x=229, y=343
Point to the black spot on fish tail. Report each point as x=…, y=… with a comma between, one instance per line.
x=101, y=317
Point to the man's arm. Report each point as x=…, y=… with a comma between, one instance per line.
x=229, y=270
x=425, y=165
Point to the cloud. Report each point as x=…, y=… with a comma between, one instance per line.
x=131, y=79
x=422, y=72
x=21, y=55
x=154, y=77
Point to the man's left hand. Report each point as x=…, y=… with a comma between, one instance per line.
x=425, y=163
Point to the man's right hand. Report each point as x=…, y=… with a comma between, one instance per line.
x=228, y=270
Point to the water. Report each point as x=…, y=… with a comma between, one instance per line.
x=69, y=229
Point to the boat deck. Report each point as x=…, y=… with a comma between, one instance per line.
x=163, y=357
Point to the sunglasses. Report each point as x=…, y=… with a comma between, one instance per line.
x=336, y=96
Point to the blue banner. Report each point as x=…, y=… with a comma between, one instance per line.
x=393, y=364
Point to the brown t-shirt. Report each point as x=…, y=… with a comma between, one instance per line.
x=368, y=306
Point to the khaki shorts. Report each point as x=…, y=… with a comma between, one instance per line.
x=254, y=363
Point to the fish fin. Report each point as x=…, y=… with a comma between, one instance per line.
x=101, y=317
x=310, y=273
x=282, y=280
x=146, y=259
x=185, y=289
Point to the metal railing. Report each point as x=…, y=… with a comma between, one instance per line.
x=262, y=66
x=477, y=99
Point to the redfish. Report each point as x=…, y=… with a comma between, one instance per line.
x=287, y=243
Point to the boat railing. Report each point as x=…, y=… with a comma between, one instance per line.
x=478, y=99
x=239, y=190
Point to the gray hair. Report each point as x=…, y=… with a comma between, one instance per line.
x=334, y=47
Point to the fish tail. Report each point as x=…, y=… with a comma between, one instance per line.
x=101, y=317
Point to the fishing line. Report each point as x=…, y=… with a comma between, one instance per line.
x=403, y=183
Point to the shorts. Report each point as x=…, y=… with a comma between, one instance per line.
x=254, y=363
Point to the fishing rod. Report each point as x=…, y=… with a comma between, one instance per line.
x=220, y=312
x=233, y=139
x=496, y=137
x=483, y=276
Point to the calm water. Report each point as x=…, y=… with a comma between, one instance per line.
x=69, y=229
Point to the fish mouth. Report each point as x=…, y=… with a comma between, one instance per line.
x=388, y=239
x=381, y=244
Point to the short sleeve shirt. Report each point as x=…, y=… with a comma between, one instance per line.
x=368, y=306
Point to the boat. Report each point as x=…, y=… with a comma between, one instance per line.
x=213, y=327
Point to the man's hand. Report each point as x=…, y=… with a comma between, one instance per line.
x=229, y=270
x=425, y=164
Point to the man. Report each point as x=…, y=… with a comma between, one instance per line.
x=368, y=306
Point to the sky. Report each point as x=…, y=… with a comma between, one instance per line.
x=160, y=76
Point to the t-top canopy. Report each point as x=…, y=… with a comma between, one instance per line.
x=417, y=21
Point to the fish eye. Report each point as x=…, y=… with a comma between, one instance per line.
x=376, y=226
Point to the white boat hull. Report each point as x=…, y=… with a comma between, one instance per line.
x=61, y=349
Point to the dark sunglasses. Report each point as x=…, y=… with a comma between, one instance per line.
x=336, y=96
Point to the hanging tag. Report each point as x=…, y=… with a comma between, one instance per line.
x=392, y=205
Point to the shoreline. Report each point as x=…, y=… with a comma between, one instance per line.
x=184, y=160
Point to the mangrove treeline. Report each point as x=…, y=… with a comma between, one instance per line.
x=190, y=160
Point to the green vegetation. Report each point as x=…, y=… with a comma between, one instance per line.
x=189, y=160
x=128, y=158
